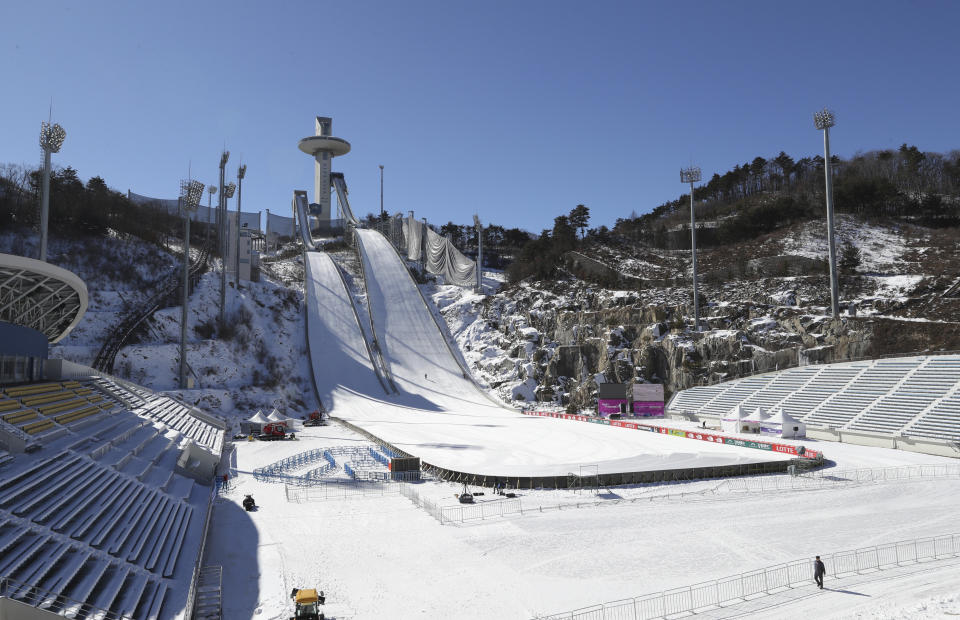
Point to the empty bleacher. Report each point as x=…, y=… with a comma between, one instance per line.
x=98, y=523
x=736, y=393
x=40, y=408
x=918, y=396
x=178, y=417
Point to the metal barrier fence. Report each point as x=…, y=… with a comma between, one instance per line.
x=482, y=510
x=60, y=605
x=296, y=461
x=339, y=489
x=826, y=478
x=735, y=589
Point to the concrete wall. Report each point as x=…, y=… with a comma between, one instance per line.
x=863, y=438
x=15, y=610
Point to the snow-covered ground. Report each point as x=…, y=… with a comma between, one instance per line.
x=379, y=557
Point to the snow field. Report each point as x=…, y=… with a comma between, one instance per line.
x=384, y=557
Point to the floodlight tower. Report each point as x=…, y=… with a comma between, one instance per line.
x=241, y=172
x=226, y=195
x=824, y=120
x=51, y=139
x=381, y=191
x=324, y=147
x=190, y=194
x=212, y=189
x=691, y=175
x=479, y=227
x=224, y=157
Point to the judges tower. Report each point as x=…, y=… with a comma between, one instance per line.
x=324, y=147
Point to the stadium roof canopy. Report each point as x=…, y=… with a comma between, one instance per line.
x=40, y=296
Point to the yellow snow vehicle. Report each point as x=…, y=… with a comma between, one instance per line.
x=307, y=604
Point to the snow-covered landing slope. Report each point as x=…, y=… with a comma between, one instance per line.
x=439, y=413
x=340, y=354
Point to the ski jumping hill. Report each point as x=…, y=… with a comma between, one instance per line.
x=438, y=412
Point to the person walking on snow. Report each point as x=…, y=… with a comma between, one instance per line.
x=819, y=570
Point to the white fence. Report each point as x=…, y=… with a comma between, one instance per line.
x=461, y=513
x=732, y=590
x=827, y=478
x=340, y=489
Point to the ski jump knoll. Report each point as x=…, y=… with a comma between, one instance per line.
x=390, y=371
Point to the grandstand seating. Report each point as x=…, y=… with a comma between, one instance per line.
x=736, y=393
x=39, y=409
x=918, y=396
x=176, y=416
x=100, y=517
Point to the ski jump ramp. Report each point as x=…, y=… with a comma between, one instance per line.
x=390, y=371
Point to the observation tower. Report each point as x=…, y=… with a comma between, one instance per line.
x=324, y=147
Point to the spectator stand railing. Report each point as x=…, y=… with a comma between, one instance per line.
x=66, y=606
x=728, y=591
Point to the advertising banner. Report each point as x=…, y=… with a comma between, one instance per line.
x=648, y=409
x=800, y=451
x=606, y=406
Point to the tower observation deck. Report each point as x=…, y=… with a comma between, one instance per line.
x=323, y=147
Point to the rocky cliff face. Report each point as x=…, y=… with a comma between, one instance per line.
x=554, y=346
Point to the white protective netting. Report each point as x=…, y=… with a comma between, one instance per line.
x=441, y=257
x=279, y=225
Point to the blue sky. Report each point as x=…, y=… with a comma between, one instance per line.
x=515, y=110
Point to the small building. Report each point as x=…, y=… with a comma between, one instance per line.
x=648, y=400
x=611, y=399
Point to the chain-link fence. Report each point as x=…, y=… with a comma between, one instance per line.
x=738, y=588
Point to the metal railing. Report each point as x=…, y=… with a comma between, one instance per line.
x=738, y=588
x=56, y=603
x=339, y=489
x=134, y=316
x=195, y=575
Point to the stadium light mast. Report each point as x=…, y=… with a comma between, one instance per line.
x=824, y=120
x=226, y=195
x=381, y=191
x=479, y=227
x=211, y=190
x=190, y=194
x=52, y=136
x=241, y=172
x=691, y=175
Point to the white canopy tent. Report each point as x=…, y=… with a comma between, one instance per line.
x=254, y=423
x=276, y=416
x=737, y=421
x=783, y=424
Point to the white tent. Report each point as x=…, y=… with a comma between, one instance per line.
x=784, y=425
x=734, y=420
x=255, y=423
x=758, y=417
x=276, y=416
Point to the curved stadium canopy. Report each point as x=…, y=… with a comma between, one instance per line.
x=40, y=296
